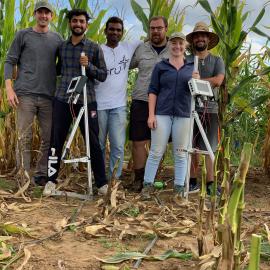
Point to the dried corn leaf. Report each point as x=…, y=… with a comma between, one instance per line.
x=5, y=238
x=94, y=229
x=211, y=265
x=27, y=255
x=114, y=195
x=60, y=224
x=110, y=267
x=268, y=232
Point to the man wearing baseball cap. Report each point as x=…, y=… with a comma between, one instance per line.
x=212, y=69
x=33, y=51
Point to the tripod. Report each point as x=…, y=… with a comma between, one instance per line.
x=86, y=159
x=197, y=88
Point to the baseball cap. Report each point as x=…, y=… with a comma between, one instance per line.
x=177, y=35
x=43, y=4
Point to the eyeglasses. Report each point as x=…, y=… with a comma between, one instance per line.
x=158, y=28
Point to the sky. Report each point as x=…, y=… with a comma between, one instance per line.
x=193, y=14
x=122, y=8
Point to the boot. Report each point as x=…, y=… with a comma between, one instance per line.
x=138, y=180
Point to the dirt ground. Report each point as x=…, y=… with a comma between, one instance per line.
x=52, y=245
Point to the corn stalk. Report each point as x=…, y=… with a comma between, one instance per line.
x=201, y=207
x=254, y=263
x=167, y=8
x=232, y=245
x=227, y=22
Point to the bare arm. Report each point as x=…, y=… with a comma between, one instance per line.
x=215, y=81
x=152, y=122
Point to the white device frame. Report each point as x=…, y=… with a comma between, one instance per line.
x=71, y=90
x=196, y=87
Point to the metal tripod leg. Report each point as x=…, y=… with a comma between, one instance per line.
x=195, y=116
x=72, y=134
x=205, y=140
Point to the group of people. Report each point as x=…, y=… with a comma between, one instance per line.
x=160, y=105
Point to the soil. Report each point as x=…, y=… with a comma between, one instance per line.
x=75, y=249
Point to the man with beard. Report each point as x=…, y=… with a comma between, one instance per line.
x=112, y=94
x=95, y=67
x=33, y=52
x=212, y=69
x=145, y=58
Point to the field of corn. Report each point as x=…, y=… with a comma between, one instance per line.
x=230, y=232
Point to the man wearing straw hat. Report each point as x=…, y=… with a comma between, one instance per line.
x=34, y=52
x=212, y=69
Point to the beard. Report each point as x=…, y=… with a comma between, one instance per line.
x=77, y=33
x=157, y=39
x=200, y=48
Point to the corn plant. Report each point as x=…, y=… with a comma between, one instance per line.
x=227, y=22
x=232, y=215
x=160, y=7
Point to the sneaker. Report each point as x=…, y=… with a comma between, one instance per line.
x=103, y=190
x=49, y=189
x=146, y=191
x=193, y=188
x=209, y=190
x=179, y=190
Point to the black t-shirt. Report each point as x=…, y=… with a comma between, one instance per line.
x=159, y=49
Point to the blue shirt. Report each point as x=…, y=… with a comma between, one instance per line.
x=171, y=87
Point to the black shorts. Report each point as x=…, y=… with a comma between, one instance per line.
x=211, y=127
x=139, y=130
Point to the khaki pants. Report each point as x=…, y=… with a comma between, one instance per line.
x=28, y=108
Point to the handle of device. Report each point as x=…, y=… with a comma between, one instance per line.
x=196, y=63
x=83, y=67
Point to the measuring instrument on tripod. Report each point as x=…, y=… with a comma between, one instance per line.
x=200, y=90
x=76, y=87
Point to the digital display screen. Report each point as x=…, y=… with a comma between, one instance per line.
x=73, y=84
x=202, y=87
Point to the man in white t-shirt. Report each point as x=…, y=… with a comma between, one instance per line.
x=111, y=95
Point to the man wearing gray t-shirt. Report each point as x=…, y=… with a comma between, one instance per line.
x=212, y=69
x=33, y=51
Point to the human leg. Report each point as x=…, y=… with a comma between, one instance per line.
x=44, y=116
x=26, y=112
x=180, y=138
x=159, y=140
x=97, y=161
x=61, y=120
x=103, y=130
x=140, y=136
x=117, y=137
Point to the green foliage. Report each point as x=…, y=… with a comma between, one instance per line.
x=166, y=8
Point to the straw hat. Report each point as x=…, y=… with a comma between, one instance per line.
x=201, y=27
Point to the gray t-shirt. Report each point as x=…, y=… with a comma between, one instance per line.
x=145, y=58
x=35, y=56
x=209, y=67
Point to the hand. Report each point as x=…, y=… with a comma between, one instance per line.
x=196, y=75
x=152, y=122
x=12, y=97
x=84, y=61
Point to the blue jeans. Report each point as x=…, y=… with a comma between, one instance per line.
x=112, y=123
x=179, y=127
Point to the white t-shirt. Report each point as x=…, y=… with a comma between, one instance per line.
x=113, y=92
